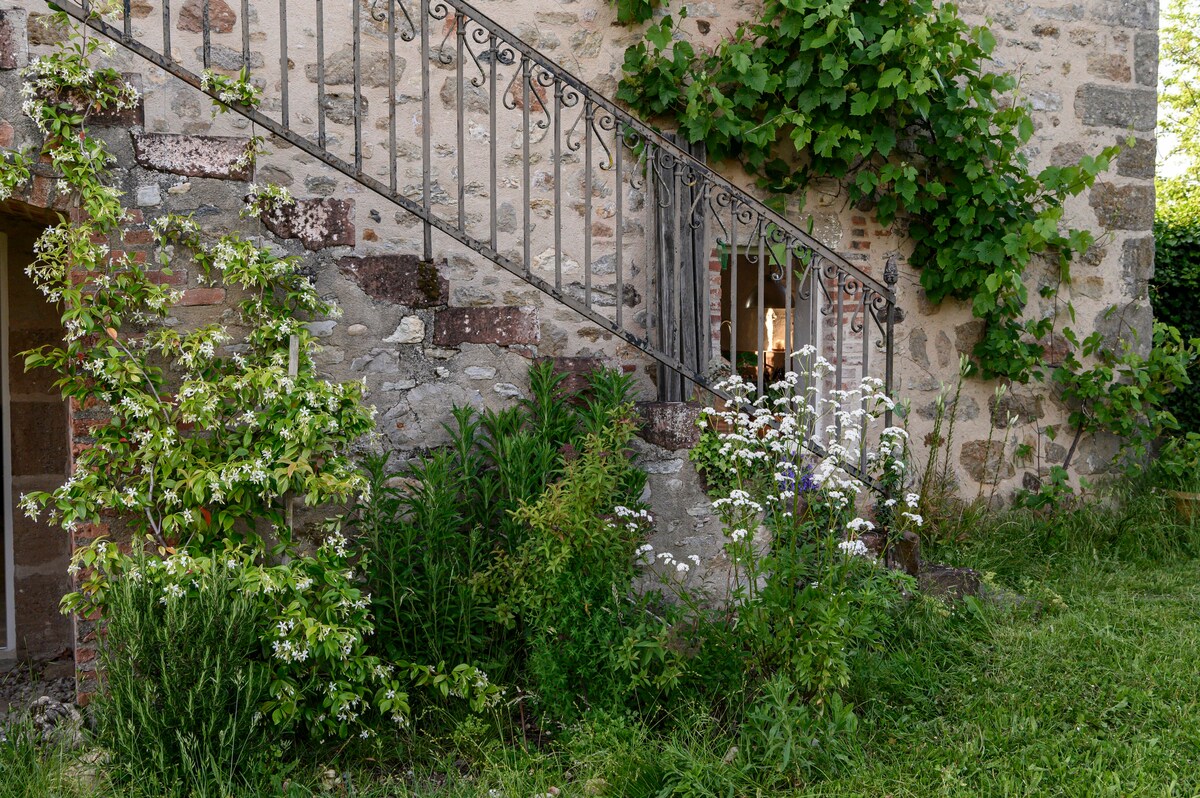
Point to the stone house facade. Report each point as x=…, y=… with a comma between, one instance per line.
x=500, y=166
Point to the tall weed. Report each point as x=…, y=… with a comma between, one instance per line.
x=178, y=712
x=496, y=550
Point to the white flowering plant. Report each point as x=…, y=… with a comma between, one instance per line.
x=236, y=90
x=806, y=591
x=204, y=438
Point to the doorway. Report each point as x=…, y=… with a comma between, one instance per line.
x=34, y=437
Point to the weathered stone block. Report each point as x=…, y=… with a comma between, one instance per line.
x=398, y=279
x=123, y=117
x=985, y=461
x=1125, y=13
x=317, y=223
x=503, y=326
x=339, y=108
x=1114, y=106
x=221, y=17
x=475, y=98
x=905, y=554
x=1123, y=207
x=222, y=157
x=14, y=42
x=1055, y=349
x=1110, y=66
x=1066, y=154
x=45, y=30
x=671, y=425
x=574, y=370
x=339, y=69
x=967, y=334
x=1138, y=160
x=1137, y=266
x=1127, y=329
x=1024, y=409
x=411, y=330
x=946, y=581
x=229, y=59
x=1145, y=59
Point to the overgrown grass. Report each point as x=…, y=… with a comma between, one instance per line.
x=1088, y=688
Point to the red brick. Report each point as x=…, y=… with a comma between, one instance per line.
x=39, y=193
x=134, y=216
x=176, y=278
x=88, y=404
x=136, y=237
x=86, y=427
x=575, y=370
x=504, y=326
x=6, y=133
x=398, y=279
x=203, y=296
x=91, y=531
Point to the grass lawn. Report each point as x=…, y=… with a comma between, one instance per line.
x=1090, y=688
x=1100, y=698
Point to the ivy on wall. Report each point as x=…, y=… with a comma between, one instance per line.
x=894, y=99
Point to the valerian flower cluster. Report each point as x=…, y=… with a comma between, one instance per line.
x=803, y=453
x=212, y=437
x=806, y=592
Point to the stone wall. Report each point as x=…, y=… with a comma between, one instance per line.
x=460, y=330
x=1088, y=69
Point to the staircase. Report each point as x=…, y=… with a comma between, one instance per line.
x=478, y=136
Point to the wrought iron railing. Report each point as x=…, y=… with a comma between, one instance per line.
x=491, y=143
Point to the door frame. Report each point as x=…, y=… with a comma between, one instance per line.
x=10, y=609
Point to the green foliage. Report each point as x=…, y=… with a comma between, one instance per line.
x=1179, y=68
x=498, y=549
x=1177, y=464
x=212, y=436
x=895, y=100
x=31, y=767
x=632, y=12
x=808, y=602
x=1126, y=393
x=1176, y=281
x=1087, y=687
x=184, y=681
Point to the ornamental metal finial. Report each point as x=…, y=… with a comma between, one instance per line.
x=891, y=271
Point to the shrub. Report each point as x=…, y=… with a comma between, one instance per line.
x=809, y=602
x=184, y=680
x=1176, y=280
x=499, y=550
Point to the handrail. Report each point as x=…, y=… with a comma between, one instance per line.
x=651, y=212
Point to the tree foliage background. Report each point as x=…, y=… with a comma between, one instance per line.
x=1176, y=280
